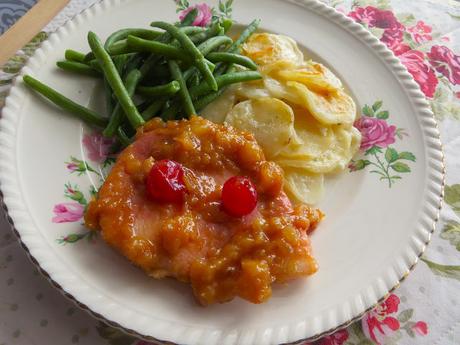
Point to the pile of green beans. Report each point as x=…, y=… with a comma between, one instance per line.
x=172, y=72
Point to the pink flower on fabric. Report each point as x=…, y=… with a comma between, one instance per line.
x=338, y=338
x=445, y=62
x=421, y=328
x=204, y=14
x=423, y=74
x=378, y=323
x=364, y=15
x=97, y=146
x=393, y=39
x=420, y=32
x=68, y=212
x=375, y=132
x=374, y=17
x=393, y=30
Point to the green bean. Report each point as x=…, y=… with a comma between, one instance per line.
x=171, y=112
x=73, y=55
x=232, y=58
x=213, y=43
x=78, y=67
x=189, y=18
x=251, y=28
x=117, y=115
x=114, y=80
x=148, y=64
x=120, y=61
x=224, y=80
x=201, y=103
x=133, y=62
x=192, y=30
x=197, y=57
x=161, y=90
x=165, y=37
x=200, y=37
x=118, y=48
x=94, y=64
x=123, y=33
x=183, y=92
x=159, y=72
x=152, y=109
x=194, y=80
x=227, y=24
x=152, y=60
x=65, y=103
x=108, y=97
x=122, y=137
x=140, y=45
x=189, y=72
x=89, y=57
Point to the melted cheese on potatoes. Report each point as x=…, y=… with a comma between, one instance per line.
x=299, y=113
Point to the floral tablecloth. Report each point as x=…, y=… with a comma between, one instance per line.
x=425, y=35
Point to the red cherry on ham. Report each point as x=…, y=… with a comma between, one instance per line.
x=239, y=196
x=165, y=182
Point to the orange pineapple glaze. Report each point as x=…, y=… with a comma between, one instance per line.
x=197, y=242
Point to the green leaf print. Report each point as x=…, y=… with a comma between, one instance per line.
x=32, y=46
x=74, y=238
x=400, y=167
x=367, y=110
x=3, y=95
x=356, y=332
x=75, y=165
x=445, y=103
x=16, y=62
x=405, y=315
x=114, y=336
x=6, y=81
x=225, y=8
x=73, y=193
x=383, y=115
x=377, y=105
x=360, y=164
x=366, y=342
x=385, y=161
x=447, y=271
x=382, y=4
x=407, y=19
x=451, y=233
x=391, y=155
x=182, y=5
x=452, y=197
x=407, y=156
x=373, y=150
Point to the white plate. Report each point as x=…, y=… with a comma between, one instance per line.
x=370, y=240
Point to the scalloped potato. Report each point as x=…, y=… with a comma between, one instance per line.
x=299, y=113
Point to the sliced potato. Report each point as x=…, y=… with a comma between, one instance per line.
x=303, y=186
x=329, y=109
x=253, y=89
x=325, y=149
x=314, y=76
x=265, y=48
x=217, y=111
x=269, y=119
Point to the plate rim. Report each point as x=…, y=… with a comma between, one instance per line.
x=17, y=214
